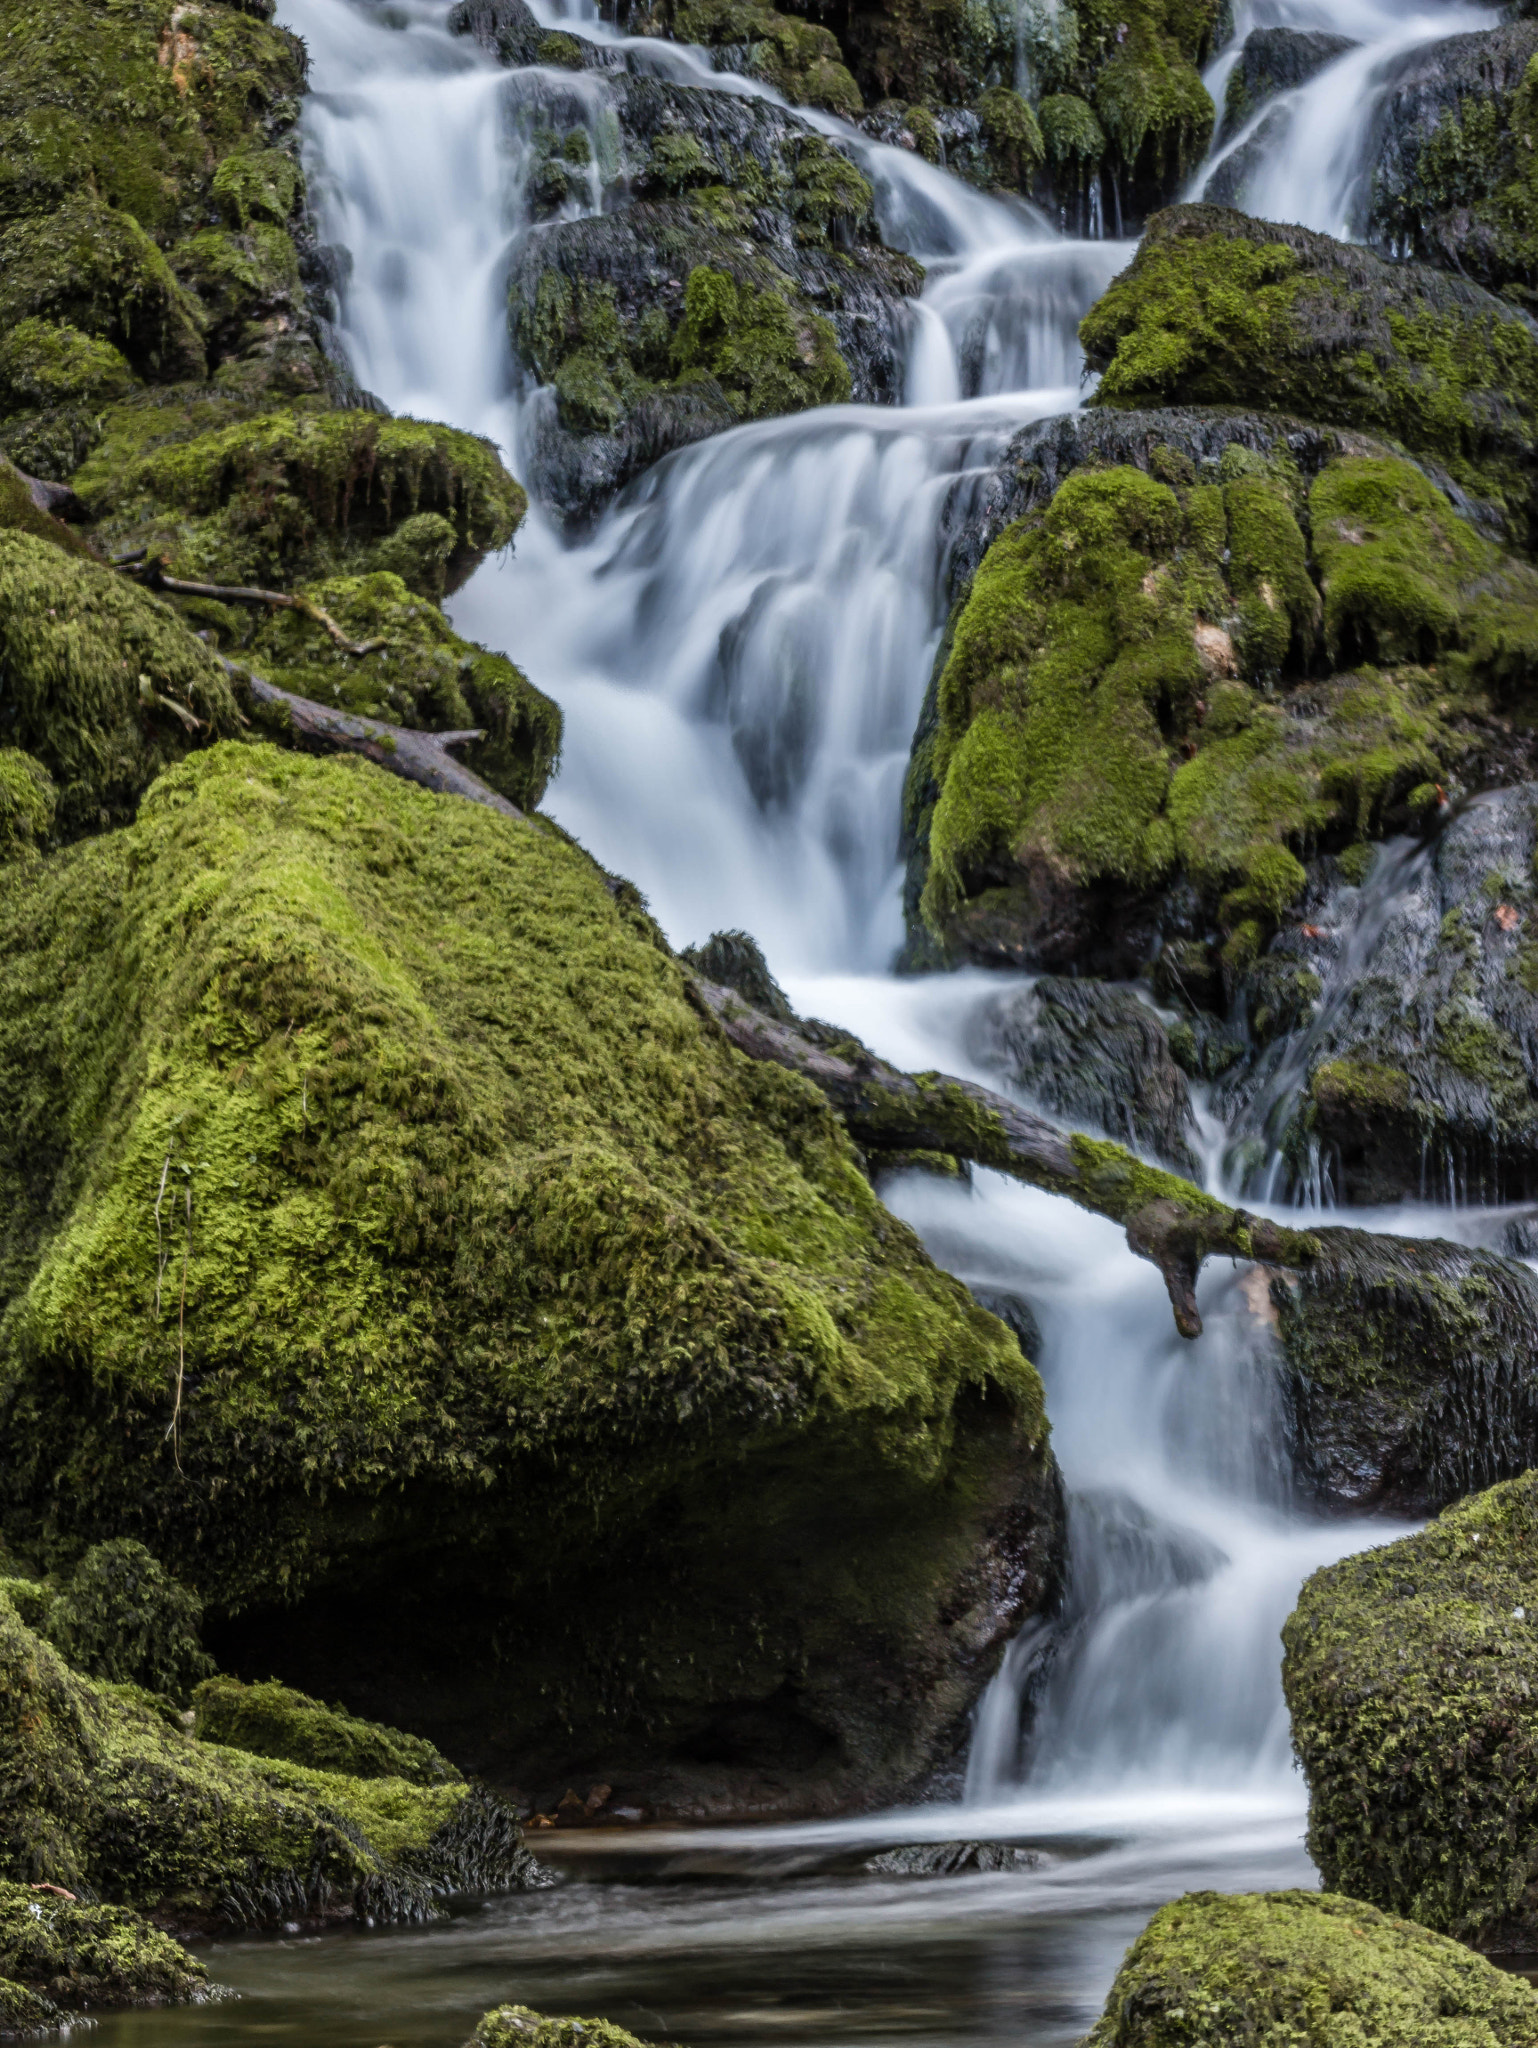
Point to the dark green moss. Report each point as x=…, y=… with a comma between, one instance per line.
x=1412, y=1676
x=517, y=2026
x=1306, y=1970
x=27, y=803
x=121, y=1616
x=78, y=1957
x=273, y=1720
x=798, y=58
x=1013, y=137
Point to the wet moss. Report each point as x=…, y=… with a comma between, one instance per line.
x=1305, y=1970
x=71, y=1956
x=798, y=58
x=121, y=1616
x=753, y=346
x=105, y=685
x=27, y=803
x=517, y=2026
x=1412, y=1678
x=1071, y=136
x=275, y=1721
x=1219, y=309
x=1014, y=140
x=113, y=1799
x=45, y=365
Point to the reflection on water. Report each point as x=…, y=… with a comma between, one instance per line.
x=823, y=1957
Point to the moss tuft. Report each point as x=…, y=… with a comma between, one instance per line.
x=1014, y=140
x=1305, y=1970
x=272, y=1720
x=751, y=343
x=121, y=1616
x=28, y=800
x=517, y=2026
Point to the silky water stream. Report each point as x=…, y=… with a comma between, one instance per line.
x=740, y=650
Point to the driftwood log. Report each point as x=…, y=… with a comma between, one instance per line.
x=420, y=757
x=1168, y=1221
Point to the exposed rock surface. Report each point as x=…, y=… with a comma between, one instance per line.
x=1274, y=60
x=1411, y=1672
x=1306, y=1970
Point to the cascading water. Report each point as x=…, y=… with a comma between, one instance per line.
x=740, y=649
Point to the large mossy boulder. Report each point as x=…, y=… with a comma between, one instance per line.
x=1219, y=309
x=1411, y=1673
x=107, y=1793
x=1411, y=1370
x=273, y=1720
x=1146, y=715
x=62, y=1958
x=551, y=1379
x=1306, y=1970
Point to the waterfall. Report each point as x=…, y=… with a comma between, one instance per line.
x=741, y=648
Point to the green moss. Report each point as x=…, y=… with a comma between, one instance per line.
x=752, y=344
x=78, y=1956
x=1070, y=134
x=253, y=185
x=272, y=1720
x=1360, y=1087
x=1412, y=1676
x=1219, y=309
x=121, y=1616
x=112, y=1798
x=485, y=1222
x=1278, y=606
x=1305, y=1970
x=105, y=685
x=1013, y=137
x=1152, y=104
x=43, y=365
x=516, y=2026
x=1124, y=1184
x=798, y=58
x=92, y=268
x=27, y=803
x=286, y=496
x=921, y=124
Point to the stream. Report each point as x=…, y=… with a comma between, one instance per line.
x=740, y=649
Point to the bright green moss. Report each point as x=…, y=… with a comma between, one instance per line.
x=96, y=270
x=274, y=1721
x=517, y=2026
x=423, y=675
x=43, y=365
x=79, y=1957
x=287, y=495
x=27, y=803
x=104, y=683
x=1012, y=135
x=108, y=1796
x=469, y=1182
x=1306, y=1970
x=1125, y=1184
x=1152, y=104
x=1412, y=1676
x=1279, y=610
x=253, y=185
x=764, y=359
x=1070, y=134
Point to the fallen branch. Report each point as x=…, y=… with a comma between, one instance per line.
x=229, y=593
x=420, y=757
x=1168, y=1221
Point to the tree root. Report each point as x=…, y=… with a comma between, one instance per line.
x=420, y=757
x=1168, y=1221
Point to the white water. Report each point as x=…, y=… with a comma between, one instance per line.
x=740, y=650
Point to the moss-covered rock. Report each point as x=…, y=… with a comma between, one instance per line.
x=273, y=1720
x=518, y=2026
x=110, y=1795
x=1220, y=309
x=1411, y=1673
x=471, y=1203
x=104, y=683
x=72, y=1957
x=27, y=804
x=121, y=1616
x=1306, y=1970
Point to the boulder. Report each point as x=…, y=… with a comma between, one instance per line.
x=1274, y=60
x=1411, y=1673
x=1306, y=1970
x=550, y=1380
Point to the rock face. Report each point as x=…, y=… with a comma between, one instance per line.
x=1416, y=1072
x=1274, y=60
x=1452, y=178
x=1412, y=1676
x=1098, y=1057
x=1145, y=702
x=1302, y=1970
x=1411, y=1371
x=478, y=1202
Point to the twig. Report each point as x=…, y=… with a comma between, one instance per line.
x=160, y=1256
x=230, y=593
x=174, y=1432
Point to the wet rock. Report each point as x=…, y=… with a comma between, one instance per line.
x=1094, y=1055
x=952, y=1859
x=1451, y=178
x=1283, y=314
x=1234, y=179
x=1274, y=60
x=1417, y=1076
x=1224, y=1967
x=1015, y=1313
x=1411, y=1370
x=1411, y=1674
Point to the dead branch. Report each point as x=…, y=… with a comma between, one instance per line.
x=154, y=575
x=1168, y=1221
x=420, y=757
